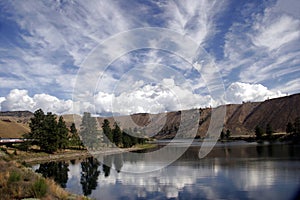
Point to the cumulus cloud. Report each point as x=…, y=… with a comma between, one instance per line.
x=238, y=92
x=20, y=100
x=161, y=97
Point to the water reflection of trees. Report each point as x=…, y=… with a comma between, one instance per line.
x=89, y=175
x=55, y=170
x=107, y=161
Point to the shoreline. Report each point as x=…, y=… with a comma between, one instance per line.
x=34, y=158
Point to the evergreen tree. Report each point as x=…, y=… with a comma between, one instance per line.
x=297, y=126
x=117, y=135
x=222, y=136
x=127, y=140
x=289, y=128
x=75, y=139
x=89, y=131
x=62, y=133
x=258, y=132
x=46, y=132
x=107, y=132
x=269, y=130
x=228, y=133
x=49, y=138
x=36, y=125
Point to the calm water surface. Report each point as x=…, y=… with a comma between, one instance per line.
x=231, y=171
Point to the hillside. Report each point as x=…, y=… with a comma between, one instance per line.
x=241, y=119
x=13, y=124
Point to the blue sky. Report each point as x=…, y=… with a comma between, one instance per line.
x=48, y=47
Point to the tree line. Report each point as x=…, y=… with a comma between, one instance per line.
x=51, y=134
x=93, y=138
x=292, y=129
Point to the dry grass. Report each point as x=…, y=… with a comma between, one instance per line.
x=17, y=182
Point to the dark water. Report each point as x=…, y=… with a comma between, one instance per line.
x=230, y=171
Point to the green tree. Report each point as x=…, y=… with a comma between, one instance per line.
x=117, y=135
x=297, y=126
x=62, y=133
x=75, y=139
x=289, y=128
x=222, y=136
x=49, y=138
x=228, y=133
x=269, y=130
x=127, y=140
x=107, y=132
x=89, y=131
x=36, y=125
x=258, y=132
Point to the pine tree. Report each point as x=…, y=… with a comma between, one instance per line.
x=117, y=135
x=36, y=125
x=222, y=136
x=62, y=133
x=49, y=137
x=297, y=126
x=127, y=140
x=228, y=133
x=269, y=130
x=289, y=128
x=75, y=139
x=258, y=132
x=44, y=131
x=89, y=131
x=107, y=132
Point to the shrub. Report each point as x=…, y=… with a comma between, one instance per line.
x=39, y=188
x=14, y=177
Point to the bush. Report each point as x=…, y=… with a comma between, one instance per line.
x=14, y=177
x=39, y=188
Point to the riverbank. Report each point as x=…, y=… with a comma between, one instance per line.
x=33, y=157
x=20, y=182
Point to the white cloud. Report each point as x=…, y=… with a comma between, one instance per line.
x=1, y=100
x=263, y=50
x=20, y=100
x=161, y=97
x=194, y=18
x=275, y=32
x=238, y=92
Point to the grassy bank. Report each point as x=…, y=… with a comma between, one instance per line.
x=19, y=182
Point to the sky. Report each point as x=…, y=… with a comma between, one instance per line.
x=137, y=56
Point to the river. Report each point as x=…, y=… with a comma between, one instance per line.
x=235, y=170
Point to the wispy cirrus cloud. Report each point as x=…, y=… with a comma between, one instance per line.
x=45, y=44
x=264, y=50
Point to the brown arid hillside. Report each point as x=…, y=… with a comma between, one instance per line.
x=240, y=119
x=13, y=124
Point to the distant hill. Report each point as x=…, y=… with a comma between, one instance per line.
x=241, y=119
x=13, y=124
